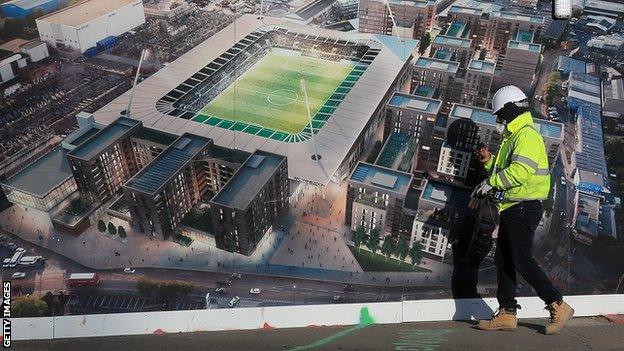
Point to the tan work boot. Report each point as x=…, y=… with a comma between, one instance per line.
x=501, y=320
x=560, y=313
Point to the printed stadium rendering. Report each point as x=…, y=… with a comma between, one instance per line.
x=270, y=84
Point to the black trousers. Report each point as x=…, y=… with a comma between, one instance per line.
x=514, y=253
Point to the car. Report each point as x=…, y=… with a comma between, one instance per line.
x=225, y=282
x=563, y=181
x=20, y=249
x=552, y=108
x=129, y=270
x=221, y=290
x=548, y=255
x=338, y=298
x=18, y=275
x=563, y=99
x=233, y=301
x=348, y=287
x=11, y=246
x=255, y=291
x=236, y=276
x=556, y=119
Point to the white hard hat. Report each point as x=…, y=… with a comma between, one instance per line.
x=510, y=93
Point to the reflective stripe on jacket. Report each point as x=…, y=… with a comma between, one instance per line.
x=520, y=167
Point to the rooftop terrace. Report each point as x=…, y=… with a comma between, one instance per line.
x=514, y=44
x=452, y=41
x=446, y=194
x=247, y=182
x=381, y=177
x=415, y=103
x=482, y=66
x=440, y=65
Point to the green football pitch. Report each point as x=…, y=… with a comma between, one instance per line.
x=270, y=95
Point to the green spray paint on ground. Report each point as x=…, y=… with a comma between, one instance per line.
x=365, y=320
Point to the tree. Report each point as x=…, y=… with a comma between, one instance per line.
x=388, y=247
x=146, y=286
x=416, y=253
x=358, y=237
x=425, y=41
x=101, y=226
x=482, y=54
x=402, y=248
x=373, y=241
x=111, y=228
x=28, y=306
x=122, y=232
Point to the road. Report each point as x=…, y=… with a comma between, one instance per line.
x=297, y=291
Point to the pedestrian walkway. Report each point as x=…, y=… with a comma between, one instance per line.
x=580, y=334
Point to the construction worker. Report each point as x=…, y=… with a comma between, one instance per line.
x=519, y=180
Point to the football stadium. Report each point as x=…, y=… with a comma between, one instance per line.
x=313, y=95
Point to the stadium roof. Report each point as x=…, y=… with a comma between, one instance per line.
x=381, y=177
x=334, y=140
x=43, y=175
x=85, y=12
x=168, y=164
x=415, y=103
x=104, y=138
x=248, y=180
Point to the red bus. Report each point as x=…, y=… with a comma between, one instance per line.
x=83, y=279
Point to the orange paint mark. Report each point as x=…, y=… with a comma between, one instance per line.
x=267, y=326
x=313, y=326
x=615, y=318
x=159, y=332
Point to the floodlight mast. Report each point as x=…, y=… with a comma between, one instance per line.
x=316, y=155
x=136, y=79
x=394, y=25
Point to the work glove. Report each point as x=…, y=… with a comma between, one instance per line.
x=478, y=194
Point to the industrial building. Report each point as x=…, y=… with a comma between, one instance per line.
x=23, y=8
x=83, y=25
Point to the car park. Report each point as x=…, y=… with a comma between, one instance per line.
x=233, y=301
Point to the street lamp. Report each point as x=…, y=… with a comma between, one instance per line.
x=293, y=294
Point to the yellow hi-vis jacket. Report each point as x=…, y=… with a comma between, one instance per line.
x=520, y=168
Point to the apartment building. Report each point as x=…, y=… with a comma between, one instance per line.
x=105, y=161
x=377, y=198
x=519, y=65
x=413, y=17
x=168, y=187
x=247, y=206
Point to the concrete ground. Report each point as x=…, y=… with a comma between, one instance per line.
x=595, y=333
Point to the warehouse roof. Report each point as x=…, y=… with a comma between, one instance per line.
x=43, y=175
x=27, y=4
x=85, y=12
